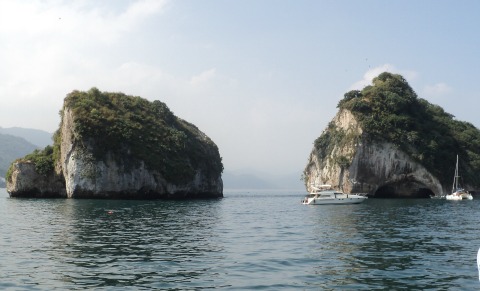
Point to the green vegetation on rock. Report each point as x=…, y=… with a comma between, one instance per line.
x=42, y=159
x=133, y=129
x=141, y=130
x=390, y=111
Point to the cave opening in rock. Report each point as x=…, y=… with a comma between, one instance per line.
x=404, y=190
x=424, y=193
x=385, y=191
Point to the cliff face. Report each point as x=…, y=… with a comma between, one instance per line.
x=117, y=177
x=89, y=167
x=388, y=142
x=27, y=182
x=347, y=160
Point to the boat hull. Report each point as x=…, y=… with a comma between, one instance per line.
x=353, y=199
x=463, y=196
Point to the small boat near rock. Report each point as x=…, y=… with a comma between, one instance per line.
x=325, y=194
x=458, y=193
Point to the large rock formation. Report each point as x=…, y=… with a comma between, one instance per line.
x=386, y=142
x=110, y=145
x=362, y=166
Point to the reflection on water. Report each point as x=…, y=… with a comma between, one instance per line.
x=90, y=243
x=150, y=237
x=390, y=243
x=246, y=241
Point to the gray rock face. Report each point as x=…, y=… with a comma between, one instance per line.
x=112, y=178
x=355, y=165
x=78, y=174
x=28, y=183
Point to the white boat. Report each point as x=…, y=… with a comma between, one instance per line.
x=326, y=195
x=458, y=193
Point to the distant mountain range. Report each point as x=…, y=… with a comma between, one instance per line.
x=37, y=137
x=17, y=142
x=254, y=180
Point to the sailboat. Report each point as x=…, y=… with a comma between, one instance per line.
x=458, y=193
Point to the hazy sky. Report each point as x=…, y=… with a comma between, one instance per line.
x=262, y=78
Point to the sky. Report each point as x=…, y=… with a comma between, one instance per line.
x=262, y=78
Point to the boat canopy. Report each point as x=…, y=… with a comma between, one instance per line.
x=322, y=187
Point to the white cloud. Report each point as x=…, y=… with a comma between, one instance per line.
x=51, y=47
x=374, y=72
x=76, y=18
x=437, y=90
x=203, y=77
x=143, y=8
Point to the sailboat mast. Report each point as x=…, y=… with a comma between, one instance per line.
x=455, y=178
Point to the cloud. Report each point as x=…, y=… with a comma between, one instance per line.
x=437, y=90
x=152, y=82
x=203, y=78
x=34, y=17
x=51, y=47
x=374, y=72
x=112, y=27
x=140, y=9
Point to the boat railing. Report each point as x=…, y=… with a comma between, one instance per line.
x=322, y=187
x=360, y=194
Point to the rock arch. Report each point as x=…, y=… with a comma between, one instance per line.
x=404, y=189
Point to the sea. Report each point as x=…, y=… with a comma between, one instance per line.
x=248, y=240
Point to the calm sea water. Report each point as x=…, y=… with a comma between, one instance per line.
x=250, y=240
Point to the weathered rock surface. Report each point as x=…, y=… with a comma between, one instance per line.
x=356, y=165
x=29, y=183
x=80, y=173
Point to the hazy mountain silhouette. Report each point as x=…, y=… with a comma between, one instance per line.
x=255, y=180
x=37, y=137
x=12, y=148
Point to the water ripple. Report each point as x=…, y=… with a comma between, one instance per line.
x=246, y=241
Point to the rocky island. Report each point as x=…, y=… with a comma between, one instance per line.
x=110, y=145
x=388, y=143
